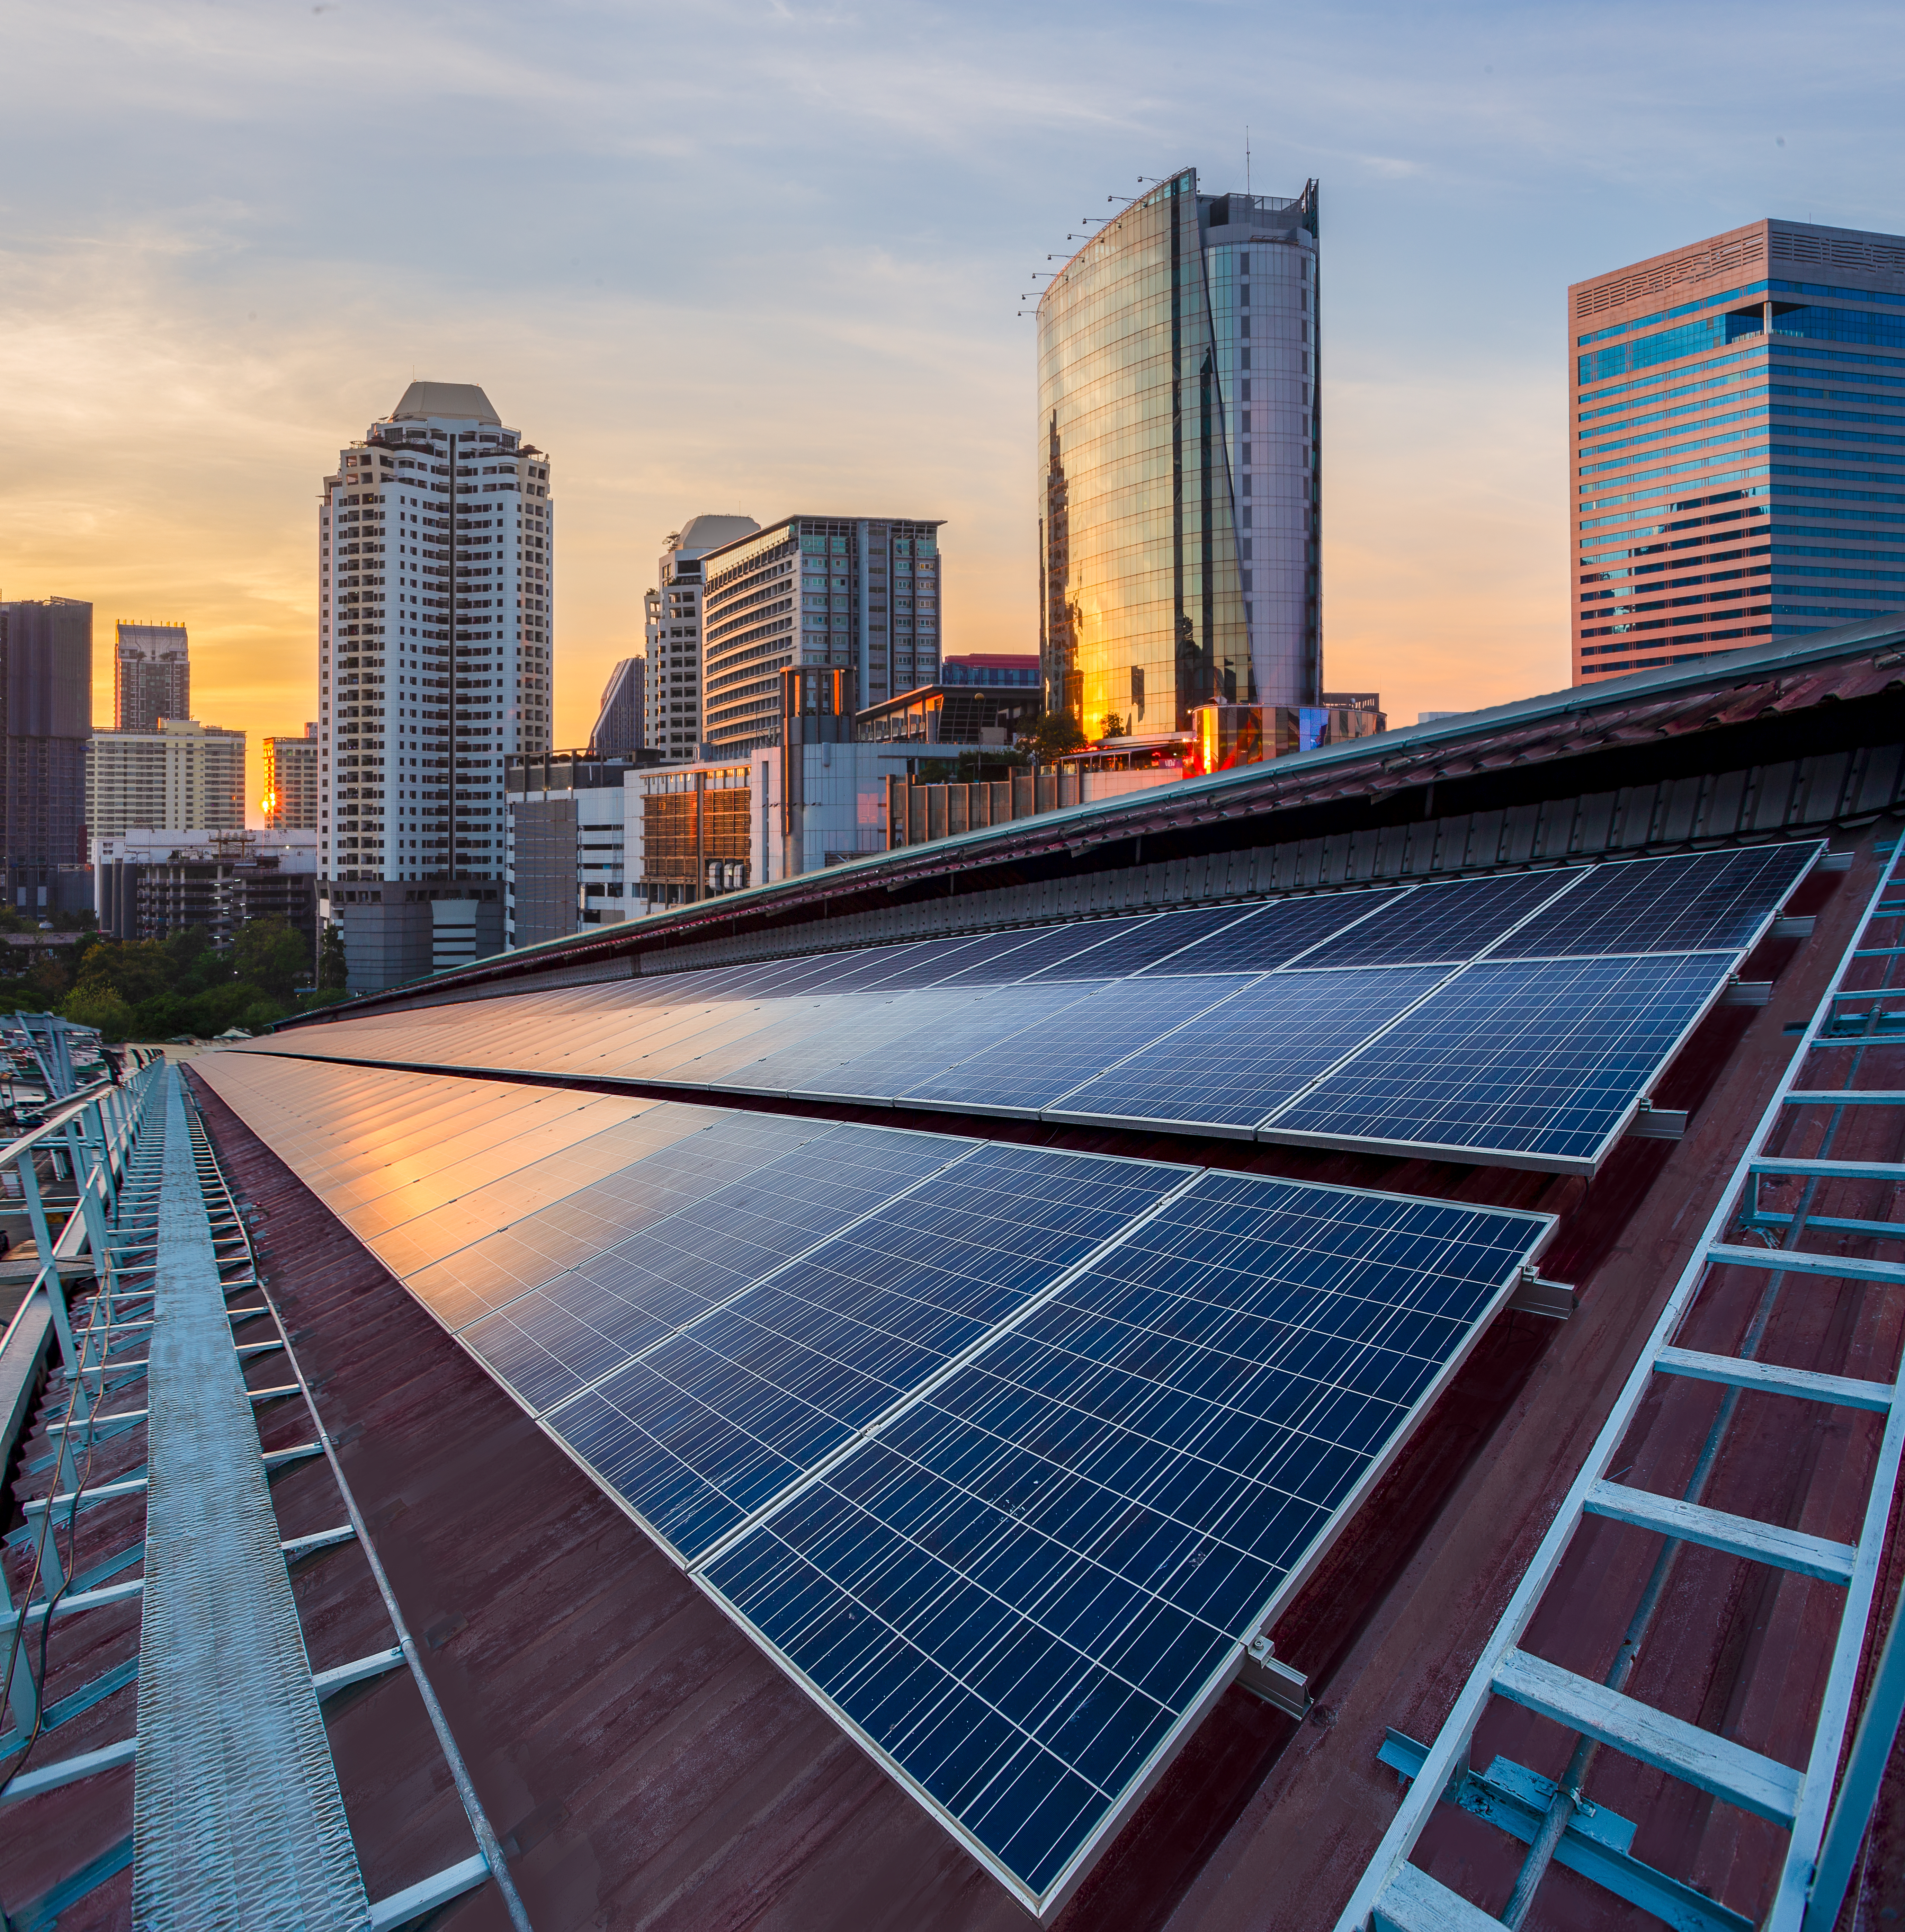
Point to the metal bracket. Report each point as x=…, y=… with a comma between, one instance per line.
x=1747, y=993
x=1534, y=1295
x=1794, y=925
x=1595, y=1842
x=1262, y=1676
x=1651, y=1122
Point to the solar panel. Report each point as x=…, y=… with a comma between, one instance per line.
x=1540, y=1063
x=1032, y=1580
x=1273, y=935
x=1006, y=1452
x=1441, y=925
x=1027, y=1071
x=710, y=1425
x=1237, y=1062
x=1145, y=945
x=1689, y=904
x=987, y=1024
x=1049, y=946
x=694, y=1151
x=551, y=1343
x=905, y=1058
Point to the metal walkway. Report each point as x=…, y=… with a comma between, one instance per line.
x=1771, y=1229
x=237, y=1816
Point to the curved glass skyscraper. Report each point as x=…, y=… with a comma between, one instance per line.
x=1177, y=452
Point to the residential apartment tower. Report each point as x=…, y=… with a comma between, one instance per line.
x=152, y=675
x=436, y=548
x=290, y=800
x=671, y=695
x=184, y=776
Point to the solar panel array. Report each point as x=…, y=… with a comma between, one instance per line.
x=1004, y=1453
x=1410, y=1020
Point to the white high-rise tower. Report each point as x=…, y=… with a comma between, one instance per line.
x=436, y=545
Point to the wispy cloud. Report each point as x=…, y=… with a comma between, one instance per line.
x=767, y=254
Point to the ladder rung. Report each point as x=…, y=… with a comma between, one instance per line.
x=1735, y=1371
x=1793, y=1261
x=1713, y=1529
x=1758, y=1784
x=1843, y=1098
x=1832, y=1170
x=1833, y=1224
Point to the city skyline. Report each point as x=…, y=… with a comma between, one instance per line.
x=228, y=278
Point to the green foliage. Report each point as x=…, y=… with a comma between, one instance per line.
x=312, y=997
x=154, y=988
x=100, y=1007
x=331, y=973
x=1055, y=734
x=270, y=954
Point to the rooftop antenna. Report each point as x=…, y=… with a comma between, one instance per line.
x=1246, y=157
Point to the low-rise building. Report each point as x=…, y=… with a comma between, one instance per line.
x=148, y=883
x=564, y=857
x=816, y=797
x=987, y=698
x=183, y=773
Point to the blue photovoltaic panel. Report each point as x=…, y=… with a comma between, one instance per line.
x=932, y=964
x=905, y=1062
x=1031, y=1578
x=1242, y=1060
x=1441, y=925
x=778, y=1058
x=710, y=1425
x=1273, y=935
x=1032, y=1069
x=1540, y=1060
x=1147, y=944
x=1701, y=901
x=1033, y=950
x=551, y=1343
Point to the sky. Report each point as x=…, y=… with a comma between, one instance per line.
x=766, y=255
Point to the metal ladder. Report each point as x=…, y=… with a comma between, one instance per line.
x=1552, y=1816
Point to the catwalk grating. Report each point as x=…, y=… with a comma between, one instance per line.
x=1315, y=1020
x=1005, y=1454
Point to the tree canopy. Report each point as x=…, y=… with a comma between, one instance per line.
x=151, y=989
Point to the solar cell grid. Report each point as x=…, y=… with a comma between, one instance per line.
x=1686, y=904
x=922, y=1041
x=684, y=1168
x=1030, y=1578
x=1042, y=947
x=551, y=1343
x=709, y=1424
x=1272, y=935
x=1146, y=944
x=1029, y=1070
x=857, y=1024
x=1540, y=1060
x=930, y=967
x=1237, y=1062
x=1441, y=925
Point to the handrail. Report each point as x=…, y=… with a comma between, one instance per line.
x=101, y=1166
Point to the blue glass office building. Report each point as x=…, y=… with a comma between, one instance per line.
x=1179, y=461
x=1738, y=444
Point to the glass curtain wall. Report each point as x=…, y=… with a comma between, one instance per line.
x=1141, y=606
